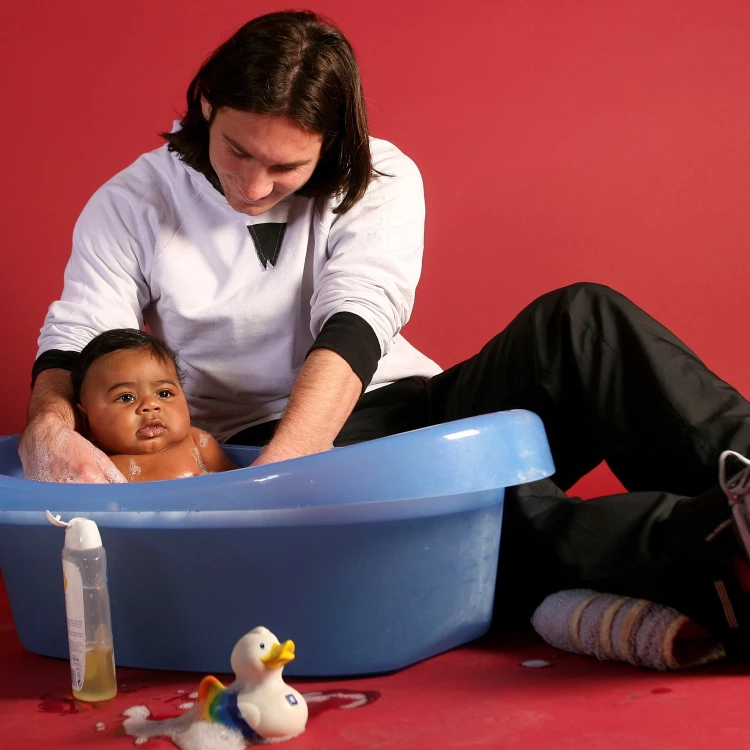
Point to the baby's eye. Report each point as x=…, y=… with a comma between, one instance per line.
x=165, y=393
x=126, y=398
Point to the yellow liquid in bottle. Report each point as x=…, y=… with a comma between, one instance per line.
x=99, y=682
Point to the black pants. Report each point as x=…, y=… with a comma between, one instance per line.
x=610, y=384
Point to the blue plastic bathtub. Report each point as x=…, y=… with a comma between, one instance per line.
x=370, y=557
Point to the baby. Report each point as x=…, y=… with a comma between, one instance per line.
x=132, y=406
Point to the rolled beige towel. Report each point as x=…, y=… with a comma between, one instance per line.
x=621, y=628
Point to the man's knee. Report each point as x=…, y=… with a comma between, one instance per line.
x=588, y=291
x=584, y=297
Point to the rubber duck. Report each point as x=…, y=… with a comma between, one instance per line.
x=258, y=703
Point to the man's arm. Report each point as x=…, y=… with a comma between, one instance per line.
x=323, y=397
x=50, y=448
x=362, y=298
x=104, y=289
x=52, y=396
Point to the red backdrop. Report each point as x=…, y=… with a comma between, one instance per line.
x=604, y=140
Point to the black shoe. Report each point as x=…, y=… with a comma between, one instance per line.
x=715, y=599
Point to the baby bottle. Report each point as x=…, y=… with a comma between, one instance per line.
x=92, y=656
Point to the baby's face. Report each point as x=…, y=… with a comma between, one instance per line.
x=134, y=403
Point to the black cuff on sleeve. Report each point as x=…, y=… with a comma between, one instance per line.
x=51, y=360
x=352, y=338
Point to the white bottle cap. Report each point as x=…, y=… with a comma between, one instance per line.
x=80, y=533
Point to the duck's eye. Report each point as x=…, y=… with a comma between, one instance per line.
x=262, y=646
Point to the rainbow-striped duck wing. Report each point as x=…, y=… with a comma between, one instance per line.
x=219, y=705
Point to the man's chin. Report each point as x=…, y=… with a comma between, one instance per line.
x=251, y=209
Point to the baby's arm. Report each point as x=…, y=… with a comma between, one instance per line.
x=212, y=455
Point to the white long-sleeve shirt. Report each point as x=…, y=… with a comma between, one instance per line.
x=159, y=244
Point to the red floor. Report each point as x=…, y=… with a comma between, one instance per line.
x=477, y=696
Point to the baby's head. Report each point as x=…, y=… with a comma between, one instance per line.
x=128, y=391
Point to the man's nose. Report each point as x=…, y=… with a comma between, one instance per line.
x=254, y=183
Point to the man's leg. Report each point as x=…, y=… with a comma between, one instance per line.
x=650, y=545
x=610, y=383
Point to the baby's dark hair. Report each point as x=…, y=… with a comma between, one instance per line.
x=112, y=341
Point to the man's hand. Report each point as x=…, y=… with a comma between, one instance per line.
x=51, y=451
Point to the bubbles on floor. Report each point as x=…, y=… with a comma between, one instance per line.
x=187, y=731
x=536, y=664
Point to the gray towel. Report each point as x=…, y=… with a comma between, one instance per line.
x=621, y=628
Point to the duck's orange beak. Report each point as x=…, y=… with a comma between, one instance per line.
x=280, y=654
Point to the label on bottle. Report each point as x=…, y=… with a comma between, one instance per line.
x=76, y=623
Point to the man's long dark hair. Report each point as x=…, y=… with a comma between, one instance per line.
x=292, y=64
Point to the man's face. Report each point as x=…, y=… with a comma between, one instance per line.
x=259, y=159
x=133, y=403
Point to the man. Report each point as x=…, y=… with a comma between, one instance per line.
x=264, y=246
x=277, y=248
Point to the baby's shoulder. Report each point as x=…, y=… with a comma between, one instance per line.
x=200, y=437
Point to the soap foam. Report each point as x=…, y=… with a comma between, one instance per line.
x=188, y=731
x=133, y=470
x=199, y=460
x=53, y=462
